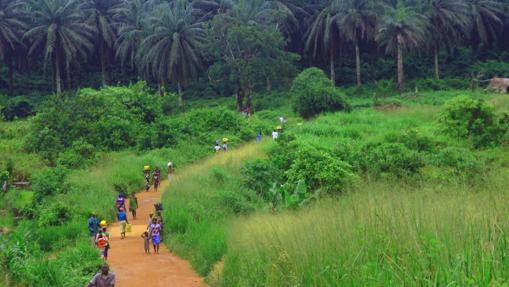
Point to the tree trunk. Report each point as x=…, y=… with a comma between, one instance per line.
x=248, y=100
x=240, y=99
x=58, y=76
x=358, y=64
x=181, y=99
x=68, y=75
x=268, y=84
x=103, y=62
x=11, y=76
x=161, y=88
x=437, y=68
x=332, y=68
x=401, y=72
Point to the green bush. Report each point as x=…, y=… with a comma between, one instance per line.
x=462, y=160
x=53, y=213
x=259, y=176
x=319, y=170
x=413, y=139
x=473, y=119
x=78, y=156
x=17, y=108
x=47, y=182
x=314, y=94
x=391, y=158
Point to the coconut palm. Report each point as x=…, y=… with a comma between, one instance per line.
x=60, y=34
x=449, y=22
x=487, y=18
x=357, y=23
x=12, y=26
x=401, y=30
x=101, y=15
x=130, y=20
x=324, y=36
x=169, y=51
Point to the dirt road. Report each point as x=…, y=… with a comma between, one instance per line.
x=134, y=268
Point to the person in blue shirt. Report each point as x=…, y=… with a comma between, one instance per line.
x=122, y=220
x=93, y=225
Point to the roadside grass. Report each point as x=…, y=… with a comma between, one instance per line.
x=383, y=234
x=201, y=201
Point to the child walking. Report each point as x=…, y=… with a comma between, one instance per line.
x=146, y=242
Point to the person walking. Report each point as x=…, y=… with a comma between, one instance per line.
x=157, y=178
x=171, y=170
x=120, y=203
x=155, y=234
x=122, y=219
x=133, y=204
x=93, y=226
x=104, y=278
x=146, y=241
x=259, y=137
x=102, y=242
x=146, y=174
x=275, y=135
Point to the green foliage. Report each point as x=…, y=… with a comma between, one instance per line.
x=47, y=182
x=53, y=213
x=319, y=171
x=391, y=158
x=16, y=108
x=491, y=68
x=461, y=160
x=474, y=119
x=314, y=94
x=259, y=176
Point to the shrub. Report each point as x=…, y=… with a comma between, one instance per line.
x=17, y=108
x=53, y=214
x=260, y=175
x=474, y=119
x=462, y=160
x=413, y=139
x=392, y=158
x=314, y=94
x=79, y=155
x=48, y=181
x=319, y=170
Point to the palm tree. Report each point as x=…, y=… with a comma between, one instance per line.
x=169, y=51
x=101, y=14
x=59, y=33
x=12, y=26
x=448, y=22
x=323, y=35
x=486, y=17
x=401, y=30
x=130, y=20
x=357, y=23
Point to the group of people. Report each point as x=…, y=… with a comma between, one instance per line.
x=218, y=147
x=99, y=235
x=156, y=175
x=154, y=231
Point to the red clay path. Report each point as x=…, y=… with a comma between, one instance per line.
x=134, y=268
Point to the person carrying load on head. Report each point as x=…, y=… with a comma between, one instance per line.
x=217, y=147
x=157, y=177
x=146, y=172
x=171, y=170
x=225, y=144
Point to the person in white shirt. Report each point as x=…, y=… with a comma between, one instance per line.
x=275, y=134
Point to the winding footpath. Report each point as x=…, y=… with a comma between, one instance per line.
x=134, y=268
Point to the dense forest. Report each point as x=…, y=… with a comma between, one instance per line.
x=209, y=48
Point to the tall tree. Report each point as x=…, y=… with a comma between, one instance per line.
x=448, y=23
x=401, y=30
x=101, y=15
x=13, y=23
x=487, y=18
x=357, y=23
x=60, y=34
x=324, y=36
x=131, y=29
x=169, y=52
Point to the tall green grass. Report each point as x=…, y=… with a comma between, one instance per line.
x=202, y=200
x=385, y=234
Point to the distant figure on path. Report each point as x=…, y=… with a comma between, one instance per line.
x=171, y=170
x=133, y=204
x=157, y=177
x=146, y=173
x=120, y=203
x=155, y=234
x=217, y=147
x=93, y=226
x=259, y=137
x=275, y=135
x=103, y=279
x=102, y=242
x=122, y=219
x=146, y=242
x=282, y=120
